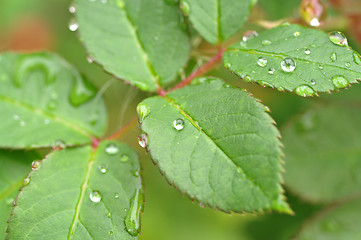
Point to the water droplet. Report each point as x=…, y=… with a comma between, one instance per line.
x=178, y=124
x=281, y=89
x=267, y=109
x=348, y=64
x=136, y=173
x=357, y=58
x=132, y=220
x=320, y=66
x=52, y=105
x=271, y=71
x=340, y=81
x=103, y=168
x=296, y=34
x=124, y=158
x=109, y=215
x=313, y=82
x=72, y=9
x=315, y=22
x=35, y=165
x=143, y=110
x=185, y=7
x=305, y=91
x=90, y=59
x=142, y=140
x=95, y=196
x=262, y=62
x=288, y=65
x=249, y=35
x=266, y=42
x=111, y=149
x=60, y=144
x=82, y=91
x=338, y=38
x=111, y=233
x=333, y=57
x=313, y=12
x=26, y=181
x=266, y=84
x=73, y=25
x=116, y=195
x=239, y=170
x=247, y=78
x=307, y=51
x=22, y=123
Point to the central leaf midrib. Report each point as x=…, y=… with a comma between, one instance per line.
x=193, y=122
x=42, y=113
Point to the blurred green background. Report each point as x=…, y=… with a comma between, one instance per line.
x=43, y=25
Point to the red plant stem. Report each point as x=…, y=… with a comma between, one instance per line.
x=123, y=129
x=199, y=72
x=95, y=142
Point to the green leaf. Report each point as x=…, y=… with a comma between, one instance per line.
x=139, y=41
x=44, y=101
x=334, y=223
x=78, y=193
x=323, y=153
x=216, y=144
x=311, y=61
x=14, y=166
x=217, y=20
x=278, y=9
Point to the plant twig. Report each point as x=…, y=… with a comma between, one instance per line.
x=123, y=129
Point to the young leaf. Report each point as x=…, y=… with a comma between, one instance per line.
x=139, y=41
x=339, y=222
x=44, y=101
x=296, y=59
x=14, y=166
x=323, y=153
x=216, y=144
x=78, y=193
x=217, y=20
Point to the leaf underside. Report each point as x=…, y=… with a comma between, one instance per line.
x=228, y=153
x=139, y=41
x=44, y=102
x=218, y=20
x=311, y=51
x=14, y=166
x=57, y=204
x=323, y=154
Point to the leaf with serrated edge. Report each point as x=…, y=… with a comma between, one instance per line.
x=323, y=153
x=217, y=20
x=334, y=223
x=311, y=51
x=14, y=166
x=228, y=153
x=57, y=204
x=136, y=40
x=44, y=102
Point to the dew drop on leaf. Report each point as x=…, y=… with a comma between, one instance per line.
x=59, y=144
x=72, y=9
x=296, y=34
x=338, y=38
x=26, y=181
x=320, y=67
x=271, y=71
x=73, y=25
x=262, y=62
x=357, y=58
x=46, y=121
x=103, y=168
x=348, y=64
x=288, y=65
x=95, y=196
x=267, y=109
x=333, y=57
x=142, y=140
x=249, y=35
x=143, y=110
x=266, y=42
x=116, y=195
x=185, y=7
x=307, y=51
x=132, y=220
x=22, y=123
x=35, y=165
x=247, y=78
x=109, y=214
x=178, y=124
x=304, y=91
x=111, y=149
x=90, y=59
x=340, y=81
x=124, y=158
x=16, y=117
x=313, y=82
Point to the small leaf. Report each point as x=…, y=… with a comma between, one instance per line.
x=45, y=102
x=334, y=223
x=323, y=153
x=216, y=144
x=14, y=166
x=139, y=41
x=217, y=20
x=297, y=59
x=78, y=193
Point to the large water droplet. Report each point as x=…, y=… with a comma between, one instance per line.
x=178, y=124
x=82, y=91
x=307, y=51
x=143, y=140
x=357, y=58
x=313, y=12
x=340, y=81
x=124, y=158
x=73, y=25
x=95, y=196
x=249, y=35
x=305, y=91
x=338, y=38
x=35, y=165
x=111, y=149
x=143, y=110
x=185, y=7
x=72, y=9
x=103, y=168
x=132, y=220
x=271, y=71
x=262, y=62
x=288, y=65
x=266, y=42
x=333, y=57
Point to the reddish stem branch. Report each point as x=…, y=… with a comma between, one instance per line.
x=199, y=72
x=123, y=129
